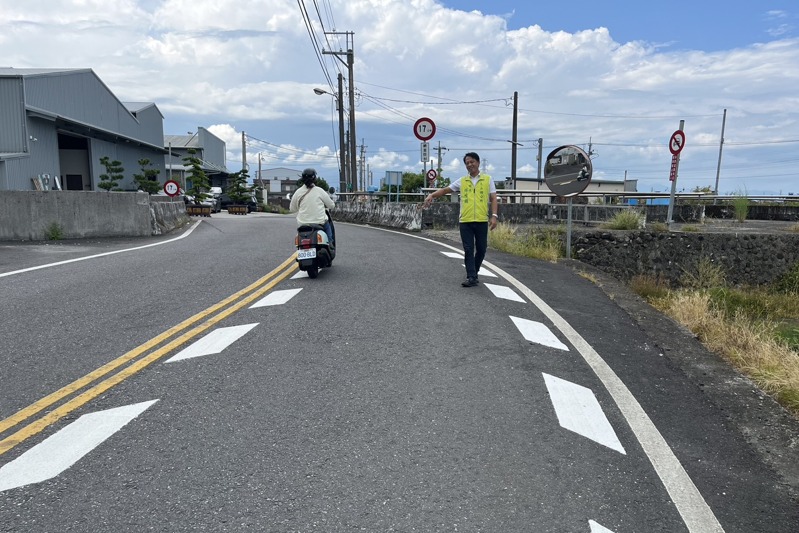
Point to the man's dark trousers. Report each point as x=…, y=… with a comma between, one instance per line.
x=474, y=236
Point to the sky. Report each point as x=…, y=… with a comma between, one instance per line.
x=615, y=78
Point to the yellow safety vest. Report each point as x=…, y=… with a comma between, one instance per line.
x=474, y=198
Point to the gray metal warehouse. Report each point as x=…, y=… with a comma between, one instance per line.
x=56, y=124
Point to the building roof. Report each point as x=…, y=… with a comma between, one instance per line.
x=10, y=72
x=182, y=141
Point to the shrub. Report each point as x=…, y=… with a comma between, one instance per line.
x=535, y=243
x=54, y=232
x=628, y=219
x=706, y=275
x=741, y=206
x=650, y=287
x=788, y=283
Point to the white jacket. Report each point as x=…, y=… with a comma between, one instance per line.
x=310, y=204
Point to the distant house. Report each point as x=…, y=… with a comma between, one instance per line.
x=56, y=125
x=278, y=181
x=208, y=148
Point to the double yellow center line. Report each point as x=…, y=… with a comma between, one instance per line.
x=179, y=334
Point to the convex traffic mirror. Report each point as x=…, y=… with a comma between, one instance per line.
x=567, y=171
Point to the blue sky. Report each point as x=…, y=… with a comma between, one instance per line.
x=613, y=76
x=708, y=25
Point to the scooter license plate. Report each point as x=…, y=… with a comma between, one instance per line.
x=309, y=253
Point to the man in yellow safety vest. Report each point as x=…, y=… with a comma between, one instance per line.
x=477, y=190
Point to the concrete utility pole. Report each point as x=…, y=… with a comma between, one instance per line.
x=540, y=157
x=440, y=150
x=721, y=146
x=363, y=166
x=514, y=139
x=350, y=37
x=243, y=152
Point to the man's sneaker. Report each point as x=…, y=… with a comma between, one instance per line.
x=470, y=282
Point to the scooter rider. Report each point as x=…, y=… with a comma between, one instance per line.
x=310, y=203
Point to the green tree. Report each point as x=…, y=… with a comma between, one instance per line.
x=113, y=174
x=199, y=179
x=412, y=182
x=237, y=189
x=147, y=181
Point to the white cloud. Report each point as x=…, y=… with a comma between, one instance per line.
x=249, y=66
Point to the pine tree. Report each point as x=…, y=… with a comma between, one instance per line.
x=113, y=174
x=237, y=189
x=147, y=181
x=199, y=179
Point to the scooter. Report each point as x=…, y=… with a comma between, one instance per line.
x=314, y=249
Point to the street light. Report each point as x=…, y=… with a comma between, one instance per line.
x=342, y=179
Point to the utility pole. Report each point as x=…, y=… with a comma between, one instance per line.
x=540, y=157
x=350, y=37
x=342, y=152
x=721, y=146
x=362, y=180
x=440, y=150
x=514, y=139
x=243, y=152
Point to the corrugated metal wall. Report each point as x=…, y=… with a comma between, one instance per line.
x=81, y=96
x=42, y=159
x=12, y=116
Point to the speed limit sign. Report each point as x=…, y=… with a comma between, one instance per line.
x=171, y=188
x=424, y=129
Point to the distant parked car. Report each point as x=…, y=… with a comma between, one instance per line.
x=252, y=205
x=213, y=201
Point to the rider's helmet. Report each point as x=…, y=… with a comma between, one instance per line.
x=308, y=176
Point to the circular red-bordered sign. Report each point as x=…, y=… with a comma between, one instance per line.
x=676, y=142
x=424, y=129
x=171, y=188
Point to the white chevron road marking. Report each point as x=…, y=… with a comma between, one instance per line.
x=597, y=528
x=276, y=298
x=579, y=411
x=214, y=342
x=503, y=292
x=62, y=450
x=538, y=333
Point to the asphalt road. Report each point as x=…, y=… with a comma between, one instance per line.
x=193, y=382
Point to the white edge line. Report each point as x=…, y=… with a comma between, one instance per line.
x=48, y=265
x=694, y=510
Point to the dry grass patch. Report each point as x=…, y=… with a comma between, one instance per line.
x=750, y=346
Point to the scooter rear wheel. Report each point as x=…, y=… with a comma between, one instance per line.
x=313, y=272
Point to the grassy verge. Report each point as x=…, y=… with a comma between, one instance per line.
x=756, y=329
x=535, y=243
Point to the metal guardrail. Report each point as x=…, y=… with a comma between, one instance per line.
x=537, y=195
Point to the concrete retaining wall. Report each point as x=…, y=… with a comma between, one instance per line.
x=29, y=215
x=393, y=215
